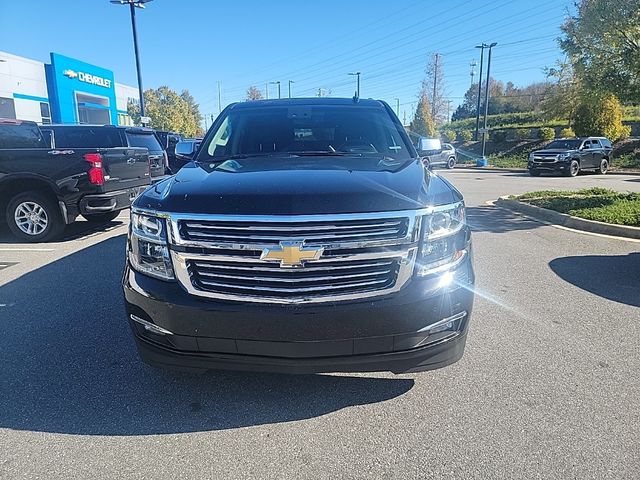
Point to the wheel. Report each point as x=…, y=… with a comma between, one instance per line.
x=604, y=167
x=534, y=173
x=426, y=162
x=98, y=218
x=573, y=170
x=451, y=163
x=34, y=217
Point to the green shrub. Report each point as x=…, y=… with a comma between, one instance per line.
x=449, y=136
x=465, y=135
x=523, y=133
x=546, y=133
x=600, y=115
x=567, y=133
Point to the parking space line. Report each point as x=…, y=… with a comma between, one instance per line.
x=26, y=250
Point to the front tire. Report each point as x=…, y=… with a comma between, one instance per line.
x=99, y=218
x=34, y=217
x=534, y=173
x=604, y=167
x=574, y=169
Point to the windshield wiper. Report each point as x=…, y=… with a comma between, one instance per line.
x=324, y=153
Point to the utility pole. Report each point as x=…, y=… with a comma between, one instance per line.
x=397, y=106
x=472, y=72
x=219, y=98
x=290, y=82
x=486, y=100
x=357, y=74
x=481, y=47
x=435, y=87
x=404, y=121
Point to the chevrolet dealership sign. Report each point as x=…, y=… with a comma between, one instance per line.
x=88, y=78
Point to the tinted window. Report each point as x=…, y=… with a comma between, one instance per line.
x=564, y=144
x=87, y=137
x=147, y=140
x=605, y=143
x=306, y=128
x=20, y=136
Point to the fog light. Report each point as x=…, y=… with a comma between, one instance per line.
x=150, y=327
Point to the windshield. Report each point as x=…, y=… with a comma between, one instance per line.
x=573, y=144
x=147, y=140
x=305, y=129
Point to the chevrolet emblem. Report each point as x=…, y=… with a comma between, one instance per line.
x=291, y=254
x=70, y=74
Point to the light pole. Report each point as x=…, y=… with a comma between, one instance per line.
x=277, y=83
x=133, y=4
x=290, y=82
x=357, y=74
x=486, y=100
x=482, y=47
x=398, y=107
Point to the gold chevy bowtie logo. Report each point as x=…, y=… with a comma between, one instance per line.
x=70, y=73
x=291, y=254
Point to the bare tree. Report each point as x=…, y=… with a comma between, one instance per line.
x=434, y=87
x=253, y=93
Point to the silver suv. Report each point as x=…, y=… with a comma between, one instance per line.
x=433, y=152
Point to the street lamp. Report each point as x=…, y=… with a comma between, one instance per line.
x=482, y=46
x=276, y=83
x=357, y=74
x=290, y=82
x=133, y=4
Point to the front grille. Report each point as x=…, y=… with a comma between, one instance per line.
x=264, y=280
x=313, y=233
x=545, y=159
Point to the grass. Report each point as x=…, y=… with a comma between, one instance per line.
x=600, y=204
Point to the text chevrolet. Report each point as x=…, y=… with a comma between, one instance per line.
x=305, y=236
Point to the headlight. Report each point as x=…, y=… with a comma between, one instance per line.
x=563, y=156
x=443, y=239
x=531, y=157
x=148, y=247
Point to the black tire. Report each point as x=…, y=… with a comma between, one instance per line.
x=99, y=218
x=604, y=167
x=534, y=173
x=573, y=170
x=451, y=163
x=48, y=212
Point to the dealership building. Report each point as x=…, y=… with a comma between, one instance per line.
x=66, y=90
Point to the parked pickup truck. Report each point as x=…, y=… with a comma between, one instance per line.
x=305, y=236
x=42, y=189
x=111, y=136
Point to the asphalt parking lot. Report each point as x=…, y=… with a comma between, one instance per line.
x=548, y=386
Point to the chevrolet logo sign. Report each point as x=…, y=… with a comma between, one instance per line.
x=291, y=254
x=70, y=74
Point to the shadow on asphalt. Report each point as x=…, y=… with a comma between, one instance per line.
x=487, y=218
x=69, y=365
x=74, y=231
x=614, y=277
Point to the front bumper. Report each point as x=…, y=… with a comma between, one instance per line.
x=549, y=166
x=390, y=333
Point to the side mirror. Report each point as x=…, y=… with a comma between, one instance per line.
x=186, y=150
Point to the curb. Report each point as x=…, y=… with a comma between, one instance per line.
x=569, y=221
x=524, y=170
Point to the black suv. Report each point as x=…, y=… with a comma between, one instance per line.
x=110, y=136
x=570, y=155
x=305, y=236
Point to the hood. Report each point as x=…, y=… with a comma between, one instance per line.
x=299, y=186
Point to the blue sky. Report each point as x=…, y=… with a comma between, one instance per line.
x=194, y=44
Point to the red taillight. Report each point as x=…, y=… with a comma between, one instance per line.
x=95, y=173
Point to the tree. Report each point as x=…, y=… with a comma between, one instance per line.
x=435, y=76
x=600, y=115
x=422, y=122
x=169, y=111
x=603, y=42
x=253, y=93
x=564, y=96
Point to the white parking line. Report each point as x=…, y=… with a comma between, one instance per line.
x=26, y=250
